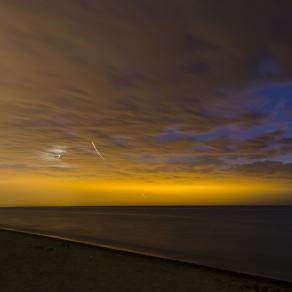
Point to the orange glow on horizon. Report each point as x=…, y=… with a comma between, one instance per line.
x=38, y=190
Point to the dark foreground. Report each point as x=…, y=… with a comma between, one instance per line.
x=31, y=263
x=253, y=240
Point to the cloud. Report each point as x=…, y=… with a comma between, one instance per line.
x=251, y=119
x=266, y=168
x=195, y=67
x=124, y=78
x=54, y=153
x=197, y=43
x=16, y=166
x=195, y=79
x=266, y=66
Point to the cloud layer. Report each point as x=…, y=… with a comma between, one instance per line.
x=166, y=89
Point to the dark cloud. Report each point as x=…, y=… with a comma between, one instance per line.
x=197, y=43
x=266, y=66
x=251, y=119
x=195, y=67
x=130, y=77
x=222, y=145
x=266, y=168
x=286, y=141
x=263, y=145
x=149, y=82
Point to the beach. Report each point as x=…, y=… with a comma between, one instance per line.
x=34, y=263
x=249, y=240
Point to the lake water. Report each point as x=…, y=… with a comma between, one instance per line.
x=254, y=240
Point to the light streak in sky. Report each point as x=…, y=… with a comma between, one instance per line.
x=97, y=152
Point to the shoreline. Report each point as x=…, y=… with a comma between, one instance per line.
x=210, y=278
x=246, y=240
x=150, y=255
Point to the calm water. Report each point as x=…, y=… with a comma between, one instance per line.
x=255, y=240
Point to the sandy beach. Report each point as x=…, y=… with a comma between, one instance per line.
x=248, y=240
x=33, y=263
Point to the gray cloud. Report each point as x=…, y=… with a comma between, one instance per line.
x=14, y=166
x=122, y=73
x=266, y=168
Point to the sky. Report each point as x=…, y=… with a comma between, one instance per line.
x=188, y=102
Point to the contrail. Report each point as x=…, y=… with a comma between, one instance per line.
x=96, y=150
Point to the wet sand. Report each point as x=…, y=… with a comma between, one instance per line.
x=32, y=263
